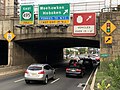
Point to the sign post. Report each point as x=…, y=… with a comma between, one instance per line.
x=84, y=24
x=54, y=14
x=26, y=14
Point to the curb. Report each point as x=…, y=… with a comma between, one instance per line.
x=93, y=80
x=93, y=76
x=86, y=84
x=11, y=70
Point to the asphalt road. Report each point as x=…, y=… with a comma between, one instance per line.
x=16, y=82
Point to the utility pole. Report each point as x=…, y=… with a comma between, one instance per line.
x=110, y=4
x=117, y=2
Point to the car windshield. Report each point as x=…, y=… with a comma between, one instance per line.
x=34, y=68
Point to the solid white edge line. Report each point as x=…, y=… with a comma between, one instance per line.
x=93, y=80
x=19, y=80
x=88, y=80
x=55, y=80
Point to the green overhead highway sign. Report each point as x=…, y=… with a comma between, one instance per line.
x=27, y=14
x=54, y=14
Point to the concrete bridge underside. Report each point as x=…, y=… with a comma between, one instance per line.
x=44, y=50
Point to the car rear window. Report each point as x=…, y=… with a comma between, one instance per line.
x=72, y=61
x=34, y=68
x=75, y=66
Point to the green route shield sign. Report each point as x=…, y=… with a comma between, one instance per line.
x=54, y=14
x=27, y=14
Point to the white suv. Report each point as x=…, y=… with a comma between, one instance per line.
x=39, y=72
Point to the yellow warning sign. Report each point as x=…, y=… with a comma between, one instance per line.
x=108, y=27
x=9, y=36
x=108, y=39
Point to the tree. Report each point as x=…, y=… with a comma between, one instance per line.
x=82, y=50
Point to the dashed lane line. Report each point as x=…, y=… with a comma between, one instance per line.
x=19, y=80
x=23, y=79
x=55, y=80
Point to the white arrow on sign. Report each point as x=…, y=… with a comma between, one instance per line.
x=66, y=11
x=88, y=18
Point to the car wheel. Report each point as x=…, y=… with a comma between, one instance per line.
x=53, y=76
x=82, y=74
x=67, y=75
x=27, y=81
x=46, y=80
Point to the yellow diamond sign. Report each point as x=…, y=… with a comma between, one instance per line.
x=108, y=39
x=9, y=36
x=108, y=27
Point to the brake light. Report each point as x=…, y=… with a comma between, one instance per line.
x=97, y=58
x=78, y=70
x=75, y=64
x=41, y=72
x=26, y=72
x=67, y=69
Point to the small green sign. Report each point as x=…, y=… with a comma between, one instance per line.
x=105, y=55
x=26, y=14
x=54, y=14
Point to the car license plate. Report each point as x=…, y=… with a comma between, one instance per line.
x=33, y=74
x=73, y=70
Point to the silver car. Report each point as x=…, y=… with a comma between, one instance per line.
x=39, y=72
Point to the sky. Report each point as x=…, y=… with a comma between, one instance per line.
x=36, y=2
x=88, y=8
x=56, y=1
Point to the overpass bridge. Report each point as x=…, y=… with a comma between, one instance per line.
x=40, y=44
x=33, y=44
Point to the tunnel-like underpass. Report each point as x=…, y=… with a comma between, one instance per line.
x=48, y=50
x=3, y=52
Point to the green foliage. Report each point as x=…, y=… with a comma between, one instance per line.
x=67, y=52
x=82, y=50
x=71, y=51
x=112, y=69
x=103, y=85
x=114, y=72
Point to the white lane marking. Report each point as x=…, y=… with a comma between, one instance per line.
x=79, y=85
x=19, y=80
x=55, y=80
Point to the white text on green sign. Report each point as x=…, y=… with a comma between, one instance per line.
x=104, y=55
x=54, y=13
x=27, y=14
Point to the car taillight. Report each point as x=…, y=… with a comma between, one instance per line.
x=67, y=69
x=97, y=58
x=26, y=72
x=78, y=70
x=41, y=72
